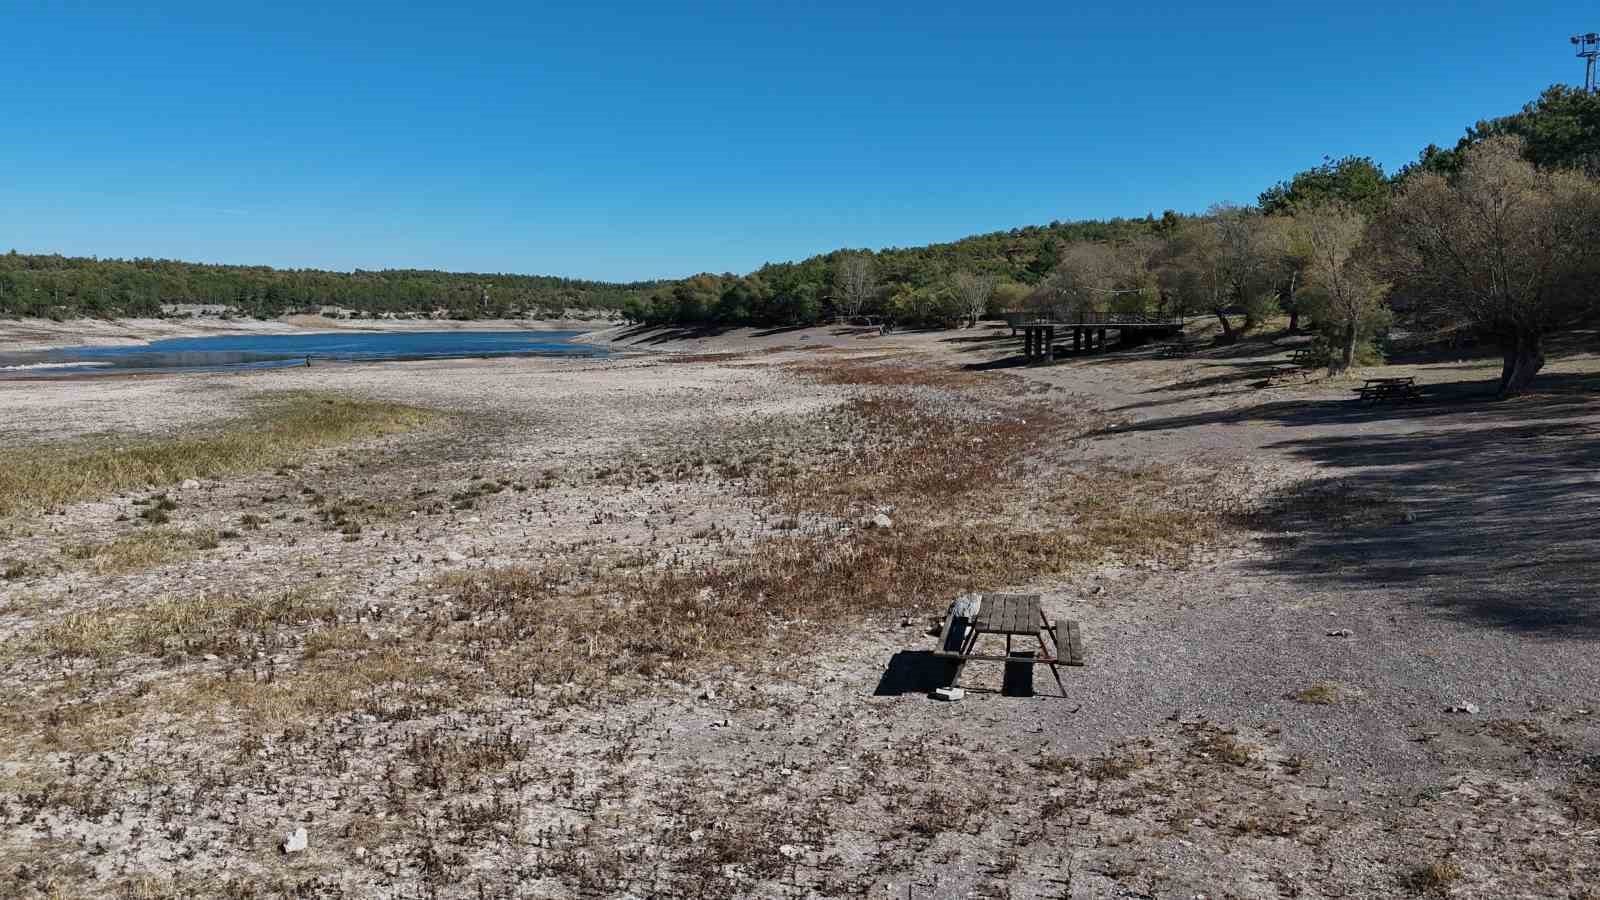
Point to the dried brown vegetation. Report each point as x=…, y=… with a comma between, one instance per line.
x=42, y=476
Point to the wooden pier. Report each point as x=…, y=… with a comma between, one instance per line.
x=1088, y=332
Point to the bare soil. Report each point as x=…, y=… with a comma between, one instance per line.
x=550, y=646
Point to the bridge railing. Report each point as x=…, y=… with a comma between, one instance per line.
x=1088, y=317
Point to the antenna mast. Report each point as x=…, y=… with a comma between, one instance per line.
x=1587, y=47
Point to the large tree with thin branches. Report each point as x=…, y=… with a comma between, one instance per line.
x=855, y=281
x=1345, y=296
x=1501, y=246
x=974, y=291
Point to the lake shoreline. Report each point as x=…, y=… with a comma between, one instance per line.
x=20, y=335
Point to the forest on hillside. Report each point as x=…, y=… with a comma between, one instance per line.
x=1493, y=237
x=60, y=287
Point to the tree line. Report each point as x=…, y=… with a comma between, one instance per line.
x=1493, y=237
x=60, y=287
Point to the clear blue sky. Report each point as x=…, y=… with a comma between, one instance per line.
x=622, y=141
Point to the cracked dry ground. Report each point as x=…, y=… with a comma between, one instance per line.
x=623, y=631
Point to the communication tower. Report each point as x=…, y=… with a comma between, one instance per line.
x=1587, y=47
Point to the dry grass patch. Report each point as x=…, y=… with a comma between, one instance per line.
x=46, y=475
x=141, y=550
x=221, y=624
x=391, y=683
x=1436, y=878
x=958, y=507
x=1323, y=693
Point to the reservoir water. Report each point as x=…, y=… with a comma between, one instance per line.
x=259, y=351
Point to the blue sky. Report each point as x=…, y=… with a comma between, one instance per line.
x=624, y=141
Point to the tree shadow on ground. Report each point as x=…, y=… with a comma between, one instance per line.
x=1232, y=374
x=1463, y=402
x=1493, y=525
x=1485, y=511
x=985, y=339
x=663, y=334
x=781, y=329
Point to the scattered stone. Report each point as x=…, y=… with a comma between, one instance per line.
x=295, y=841
x=708, y=692
x=789, y=851
x=697, y=834
x=361, y=853
x=189, y=484
x=905, y=623
x=722, y=724
x=951, y=694
x=1340, y=632
x=882, y=521
x=455, y=556
x=1470, y=709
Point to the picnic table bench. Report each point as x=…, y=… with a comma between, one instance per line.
x=1010, y=615
x=1377, y=390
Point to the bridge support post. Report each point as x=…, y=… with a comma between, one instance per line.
x=1077, y=340
x=1102, y=339
x=1050, y=343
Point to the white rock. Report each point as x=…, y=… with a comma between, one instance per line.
x=966, y=606
x=295, y=841
x=882, y=521
x=1470, y=709
x=361, y=853
x=189, y=484
x=455, y=556
x=697, y=834
x=951, y=694
x=789, y=851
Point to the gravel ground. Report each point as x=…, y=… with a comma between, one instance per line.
x=1269, y=716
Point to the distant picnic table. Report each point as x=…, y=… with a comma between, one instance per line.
x=1010, y=615
x=1378, y=390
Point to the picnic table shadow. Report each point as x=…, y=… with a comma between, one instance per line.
x=920, y=672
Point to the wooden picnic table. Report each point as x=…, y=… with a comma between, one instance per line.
x=1376, y=390
x=1010, y=616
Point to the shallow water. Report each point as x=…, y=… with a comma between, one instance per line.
x=262, y=351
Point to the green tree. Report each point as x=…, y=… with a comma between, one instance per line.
x=1345, y=295
x=1356, y=181
x=1502, y=246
